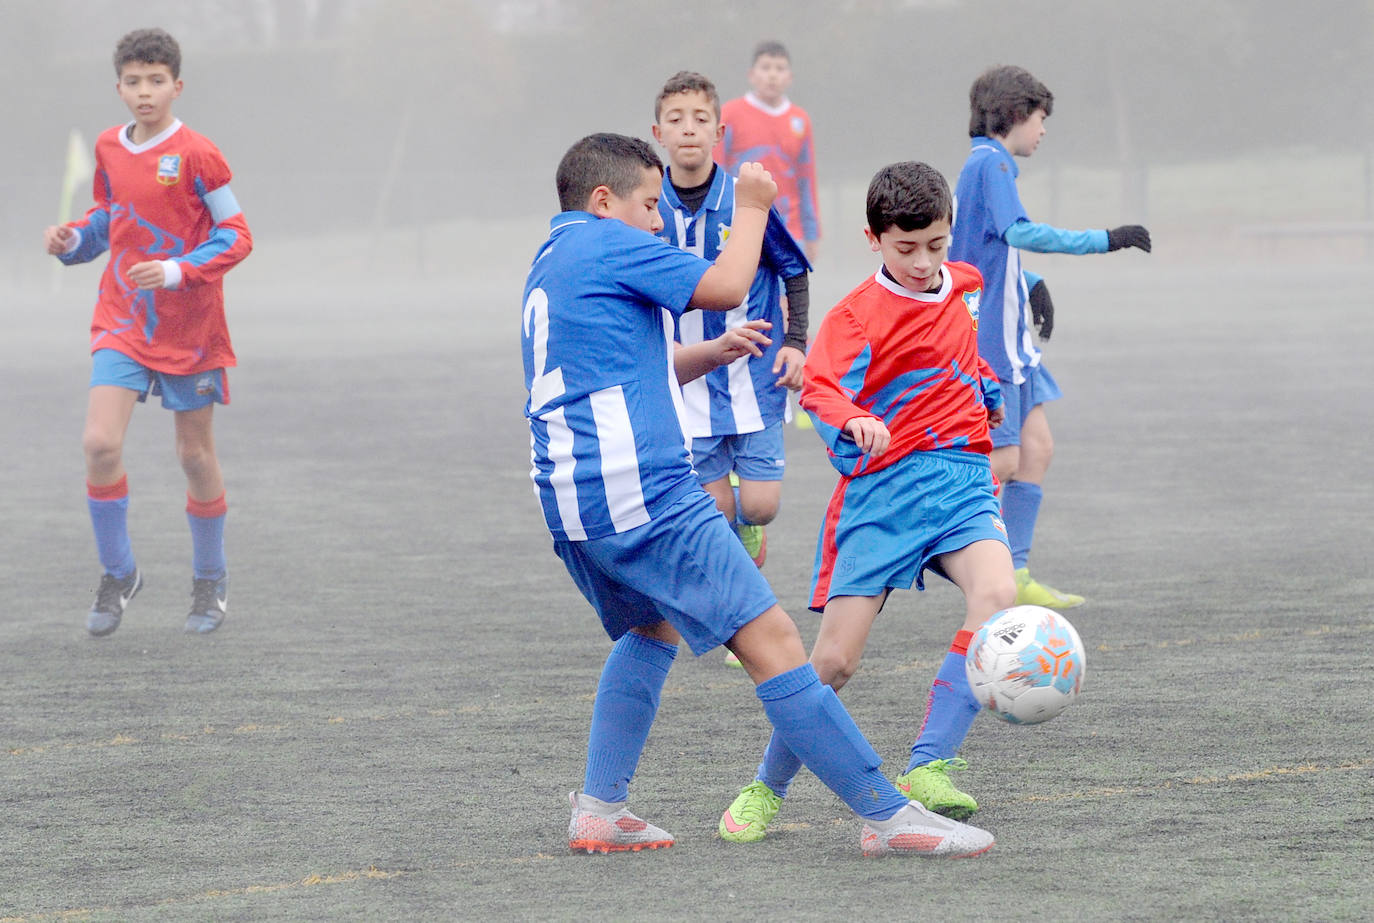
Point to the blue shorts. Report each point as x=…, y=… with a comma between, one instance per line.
x=883, y=530
x=685, y=566
x=1038, y=388
x=754, y=456
x=178, y=392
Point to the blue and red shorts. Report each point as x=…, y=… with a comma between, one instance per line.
x=883, y=530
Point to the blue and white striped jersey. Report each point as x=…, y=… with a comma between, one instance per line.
x=740, y=397
x=607, y=446
x=986, y=204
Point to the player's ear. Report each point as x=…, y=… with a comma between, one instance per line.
x=657, y=135
x=873, y=242
x=720, y=133
x=599, y=202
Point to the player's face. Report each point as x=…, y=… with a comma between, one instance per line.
x=913, y=257
x=639, y=209
x=1024, y=137
x=770, y=78
x=688, y=128
x=148, y=91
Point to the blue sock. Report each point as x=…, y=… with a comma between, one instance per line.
x=950, y=709
x=626, y=702
x=814, y=725
x=1020, y=508
x=779, y=767
x=207, y=537
x=109, y=508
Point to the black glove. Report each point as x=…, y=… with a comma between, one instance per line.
x=1128, y=235
x=1042, y=309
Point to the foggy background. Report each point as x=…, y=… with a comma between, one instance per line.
x=419, y=137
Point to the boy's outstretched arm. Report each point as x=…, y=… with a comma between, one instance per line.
x=748, y=339
x=1044, y=238
x=727, y=282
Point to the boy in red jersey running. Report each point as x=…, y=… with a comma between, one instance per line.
x=898, y=392
x=164, y=210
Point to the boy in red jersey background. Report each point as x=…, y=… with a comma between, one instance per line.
x=904, y=403
x=767, y=127
x=164, y=210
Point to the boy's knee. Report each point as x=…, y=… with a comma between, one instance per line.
x=758, y=514
x=834, y=668
x=101, y=448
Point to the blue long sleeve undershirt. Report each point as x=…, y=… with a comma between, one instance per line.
x=1043, y=238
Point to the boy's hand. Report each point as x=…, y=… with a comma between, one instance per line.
x=755, y=187
x=789, y=363
x=997, y=417
x=1128, y=235
x=869, y=434
x=149, y=274
x=748, y=339
x=1042, y=309
x=57, y=239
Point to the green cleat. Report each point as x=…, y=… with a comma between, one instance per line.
x=755, y=542
x=930, y=785
x=747, y=818
x=1031, y=593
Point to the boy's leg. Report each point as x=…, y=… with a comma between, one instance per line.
x=814, y=725
x=627, y=700
x=1021, y=508
x=108, y=411
x=845, y=626
x=983, y=572
x=206, y=509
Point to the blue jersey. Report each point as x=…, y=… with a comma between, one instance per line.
x=986, y=205
x=740, y=397
x=607, y=446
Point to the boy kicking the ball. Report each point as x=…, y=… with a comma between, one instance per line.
x=896, y=389
x=164, y=210
x=640, y=538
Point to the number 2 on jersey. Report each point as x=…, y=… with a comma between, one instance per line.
x=547, y=383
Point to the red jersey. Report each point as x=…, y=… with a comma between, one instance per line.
x=907, y=358
x=166, y=199
x=779, y=137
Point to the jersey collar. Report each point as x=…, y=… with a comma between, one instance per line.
x=984, y=143
x=946, y=283
x=762, y=106
x=151, y=142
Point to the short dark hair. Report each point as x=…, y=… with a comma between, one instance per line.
x=909, y=195
x=614, y=161
x=148, y=46
x=688, y=82
x=1003, y=97
x=771, y=48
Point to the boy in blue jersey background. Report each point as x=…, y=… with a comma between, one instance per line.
x=643, y=542
x=735, y=414
x=1008, y=108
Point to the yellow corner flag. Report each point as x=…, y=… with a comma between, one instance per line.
x=80, y=168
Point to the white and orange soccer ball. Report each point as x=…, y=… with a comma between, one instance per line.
x=1026, y=664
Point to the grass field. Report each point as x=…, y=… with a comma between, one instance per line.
x=389, y=722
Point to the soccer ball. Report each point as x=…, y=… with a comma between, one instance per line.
x=1025, y=664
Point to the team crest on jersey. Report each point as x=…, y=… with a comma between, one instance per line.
x=724, y=231
x=971, y=302
x=798, y=126
x=169, y=169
